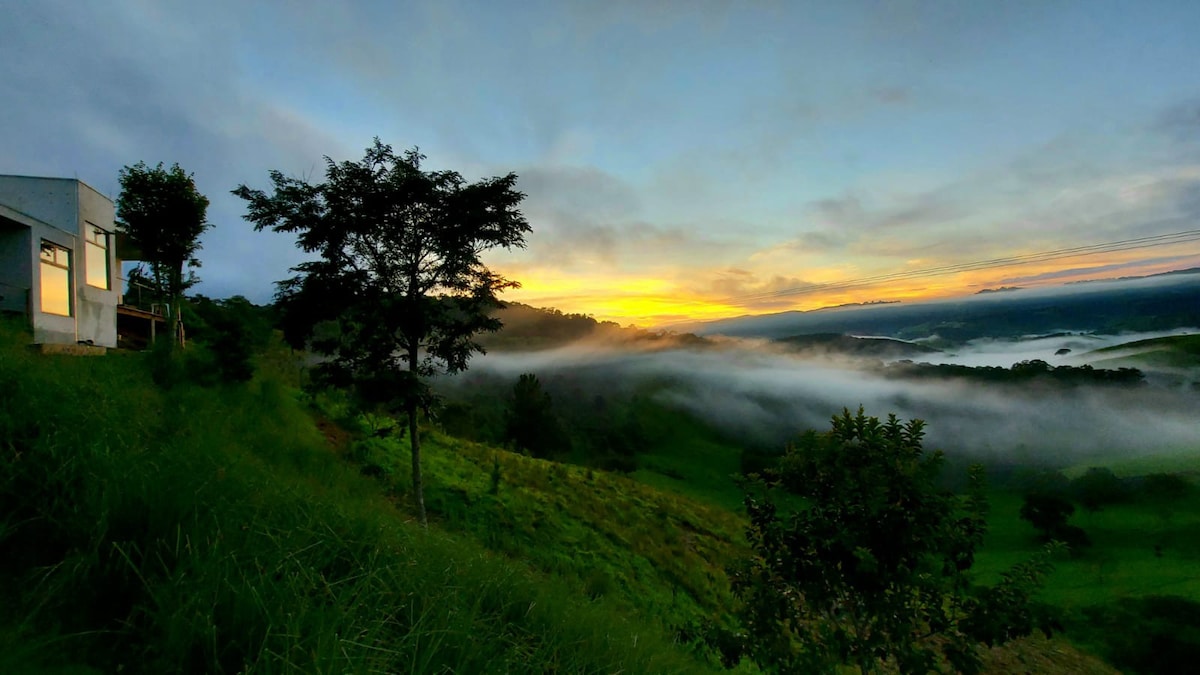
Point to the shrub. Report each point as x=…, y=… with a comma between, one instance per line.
x=873, y=567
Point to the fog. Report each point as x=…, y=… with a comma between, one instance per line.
x=1004, y=353
x=757, y=392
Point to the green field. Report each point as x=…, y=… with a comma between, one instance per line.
x=1173, y=352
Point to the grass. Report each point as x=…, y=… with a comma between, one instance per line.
x=1184, y=461
x=1172, y=352
x=658, y=553
x=689, y=459
x=1122, y=562
x=1132, y=596
x=223, y=530
x=212, y=530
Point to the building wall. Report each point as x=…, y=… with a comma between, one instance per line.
x=51, y=328
x=96, y=308
x=54, y=201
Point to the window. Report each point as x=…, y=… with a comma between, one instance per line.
x=56, y=279
x=96, y=264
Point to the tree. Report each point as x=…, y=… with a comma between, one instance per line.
x=530, y=422
x=234, y=329
x=164, y=215
x=398, y=283
x=1097, y=488
x=872, y=565
x=1048, y=513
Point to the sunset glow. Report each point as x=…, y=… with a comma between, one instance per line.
x=661, y=302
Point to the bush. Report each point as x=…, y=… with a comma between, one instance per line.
x=873, y=568
x=1155, y=634
x=1097, y=488
x=1048, y=513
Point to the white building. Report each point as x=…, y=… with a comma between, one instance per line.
x=58, y=263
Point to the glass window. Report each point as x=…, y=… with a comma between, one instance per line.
x=56, y=279
x=96, y=264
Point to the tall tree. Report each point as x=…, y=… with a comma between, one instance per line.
x=164, y=215
x=398, y=283
x=530, y=423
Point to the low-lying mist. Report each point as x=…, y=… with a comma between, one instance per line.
x=1004, y=353
x=758, y=392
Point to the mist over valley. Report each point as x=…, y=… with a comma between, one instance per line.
x=763, y=390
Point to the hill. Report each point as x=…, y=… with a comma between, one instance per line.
x=1172, y=352
x=848, y=345
x=1158, y=303
x=251, y=529
x=213, y=530
x=531, y=328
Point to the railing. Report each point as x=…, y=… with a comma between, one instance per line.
x=139, y=301
x=14, y=298
x=159, y=311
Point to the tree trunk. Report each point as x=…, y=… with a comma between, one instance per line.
x=174, y=306
x=414, y=440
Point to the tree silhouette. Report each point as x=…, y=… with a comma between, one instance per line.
x=1048, y=513
x=399, y=287
x=530, y=423
x=164, y=215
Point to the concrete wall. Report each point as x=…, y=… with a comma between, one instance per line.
x=96, y=308
x=52, y=328
x=54, y=201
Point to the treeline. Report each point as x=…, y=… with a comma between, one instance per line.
x=1035, y=370
x=601, y=430
x=526, y=327
x=226, y=339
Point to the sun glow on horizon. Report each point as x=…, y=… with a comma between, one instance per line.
x=657, y=302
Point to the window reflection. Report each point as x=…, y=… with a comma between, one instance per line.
x=96, y=264
x=55, y=279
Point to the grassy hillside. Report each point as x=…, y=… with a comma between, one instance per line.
x=1173, y=352
x=246, y=529
x=848, y=345
x=212, y=530
x=652, y=551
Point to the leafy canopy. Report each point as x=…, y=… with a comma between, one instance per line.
x=399, y=268
x=164, y=215
x=399, y=289
x=530, y=422
x=872, y=566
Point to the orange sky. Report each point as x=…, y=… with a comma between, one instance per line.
x=676, y=296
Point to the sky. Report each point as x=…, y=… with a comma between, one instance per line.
x=681, y=160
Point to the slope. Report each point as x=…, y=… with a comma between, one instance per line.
x=211, y=530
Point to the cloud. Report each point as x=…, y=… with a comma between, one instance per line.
x=742, y=287
x=1094, y=270
x=848, y=212
x=1180, y=121
x=581, y=215
x=92, y=101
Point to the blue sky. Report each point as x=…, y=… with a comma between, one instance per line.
x=681, y=159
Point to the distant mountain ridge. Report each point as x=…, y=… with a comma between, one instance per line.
x=529, y=328
x=1158, y=302
x=850, y=345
